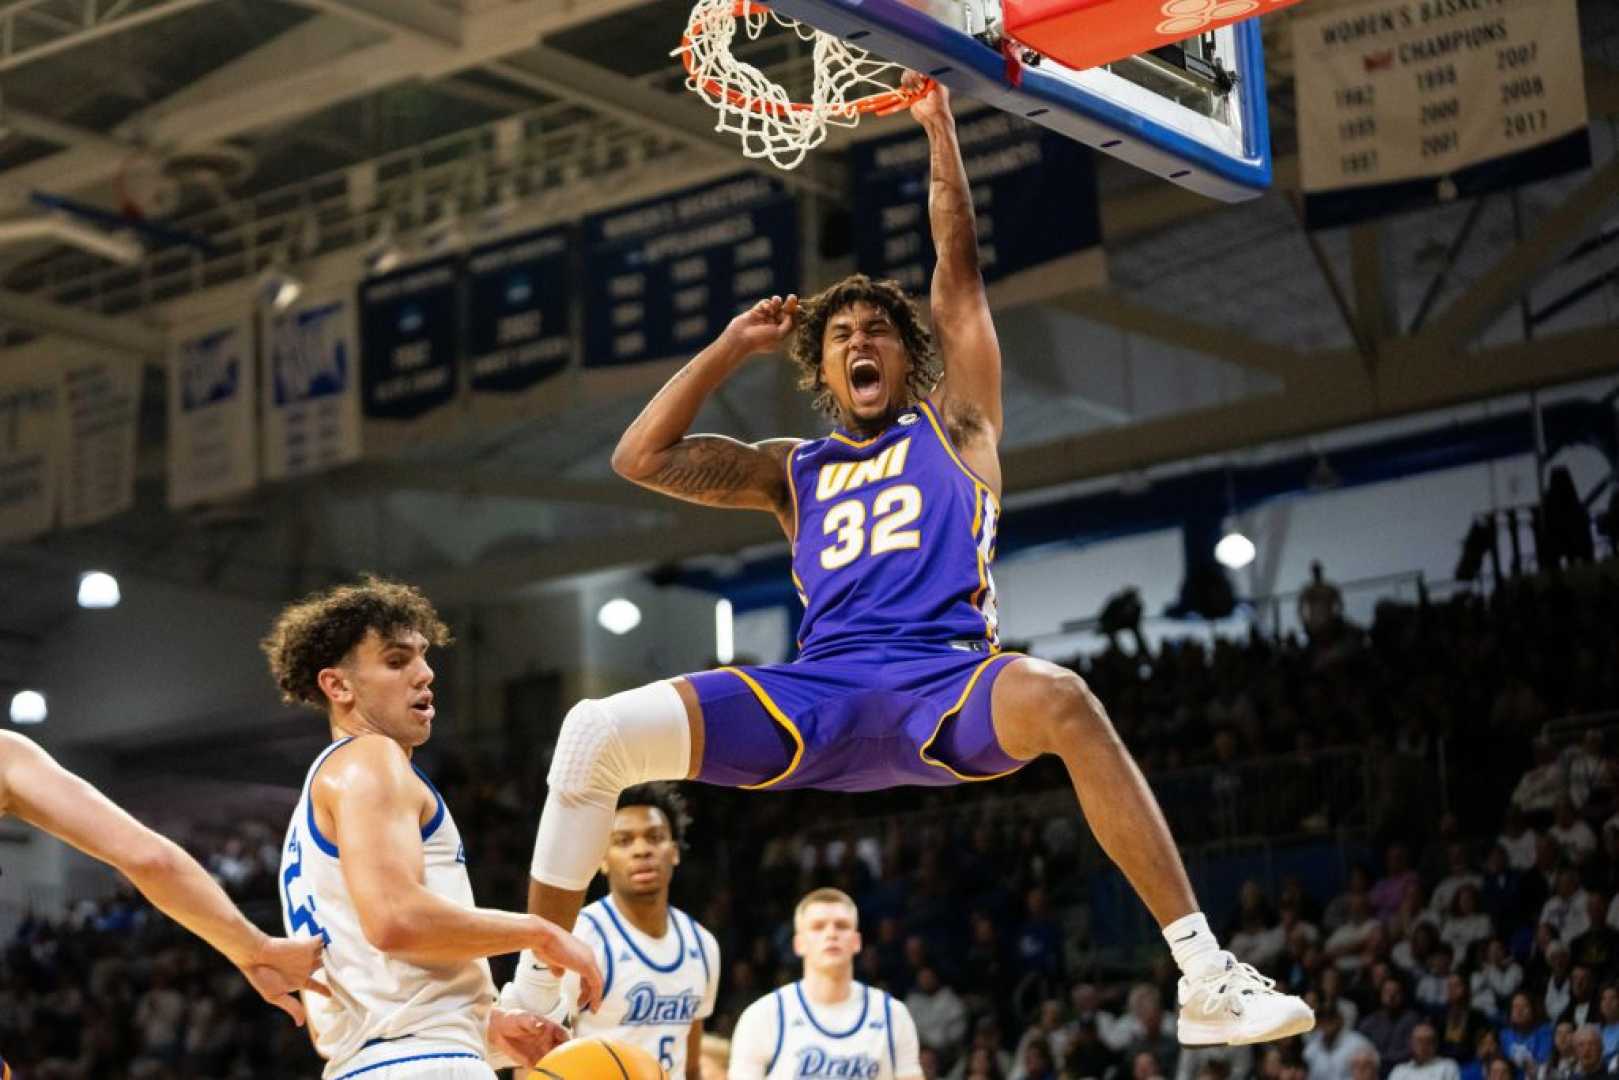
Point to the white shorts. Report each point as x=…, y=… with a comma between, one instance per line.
x=418, y=1064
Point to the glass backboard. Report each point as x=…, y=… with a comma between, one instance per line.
x=1192, y=113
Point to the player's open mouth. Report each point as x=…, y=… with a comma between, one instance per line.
x=865, y=382
x=424, y=707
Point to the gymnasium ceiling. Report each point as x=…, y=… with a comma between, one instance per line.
x=1222, y=327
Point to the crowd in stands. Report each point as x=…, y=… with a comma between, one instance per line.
x=1480, y=941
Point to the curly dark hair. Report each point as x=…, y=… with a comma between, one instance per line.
x=665, y=797
x=924, y=370
x=319, y=631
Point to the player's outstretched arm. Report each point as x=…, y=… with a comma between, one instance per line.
x=38, y=790
x=372, y=799
x=657, y=453
x=960, y=308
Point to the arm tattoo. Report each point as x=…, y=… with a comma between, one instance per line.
x=704, y=469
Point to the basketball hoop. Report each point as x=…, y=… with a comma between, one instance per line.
x=848, y=82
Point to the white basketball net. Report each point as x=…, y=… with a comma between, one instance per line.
x=848, y=81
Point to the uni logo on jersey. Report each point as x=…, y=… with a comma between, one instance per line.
x=815, y=1063
x=893, y=541
x=644, y=1005
x=842, y=477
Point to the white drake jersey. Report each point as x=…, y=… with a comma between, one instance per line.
x=655, y=987
x=867, y=1036
x=382, y=1008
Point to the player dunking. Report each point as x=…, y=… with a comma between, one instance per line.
x=826, y=1026
x=899, y=679
x=373, y=862
x=661, y=970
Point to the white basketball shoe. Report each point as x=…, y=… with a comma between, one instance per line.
x=1231, y=1004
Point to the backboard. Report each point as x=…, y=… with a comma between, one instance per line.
x=1173, y=112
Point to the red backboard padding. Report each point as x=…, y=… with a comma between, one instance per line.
x=1087, y=33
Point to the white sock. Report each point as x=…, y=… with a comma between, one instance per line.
x=1192, y=943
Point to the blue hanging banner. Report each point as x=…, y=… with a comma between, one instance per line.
x=410, y=337
x=1034, y=194
x=519, y=291
x=664, y=277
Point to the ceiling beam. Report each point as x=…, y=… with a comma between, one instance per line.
x=37, y=126
x=501, y=482
x=30, y=312
x=488, y=97
x=12, y=56
x=1372, y=274
x=1158, y=324
x=690, y=533
x=316, y=64
x=1551, y=236
x=433, y=25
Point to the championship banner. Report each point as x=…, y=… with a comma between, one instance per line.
x=664, y=277
x=519, y=331
x=1407, y=103
x=213, y=433
x=30, y=450
x=1034, y=193
x=410, y=331
x=311, y=387
x=102, y=400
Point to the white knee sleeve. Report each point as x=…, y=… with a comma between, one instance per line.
x=604, y=747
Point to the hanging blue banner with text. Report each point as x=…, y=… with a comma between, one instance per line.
x=518, y=295
x=663, y=277
x=1034, y=194
x=410, y=335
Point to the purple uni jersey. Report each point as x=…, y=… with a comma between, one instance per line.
x=894, y=540
x=898, y=654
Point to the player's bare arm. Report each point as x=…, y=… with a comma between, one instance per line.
x=657, y=452
x=36, y=789
x=694, y=1051
x=970, y=393
x=376, y=806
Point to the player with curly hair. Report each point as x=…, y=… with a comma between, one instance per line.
x=900, y=677
x=373, y=862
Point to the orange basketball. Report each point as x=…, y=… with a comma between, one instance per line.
x=598, y=1059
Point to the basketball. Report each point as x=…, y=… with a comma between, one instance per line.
x=597, y=1059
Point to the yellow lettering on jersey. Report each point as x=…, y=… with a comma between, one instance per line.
x=832, y=480
x=845, y=476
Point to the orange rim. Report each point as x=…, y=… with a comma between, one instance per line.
x=879, y=102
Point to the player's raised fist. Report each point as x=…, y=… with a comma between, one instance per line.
x=761, y=328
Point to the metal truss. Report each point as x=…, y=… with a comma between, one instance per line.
x=565, y=153
x=33, y=29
